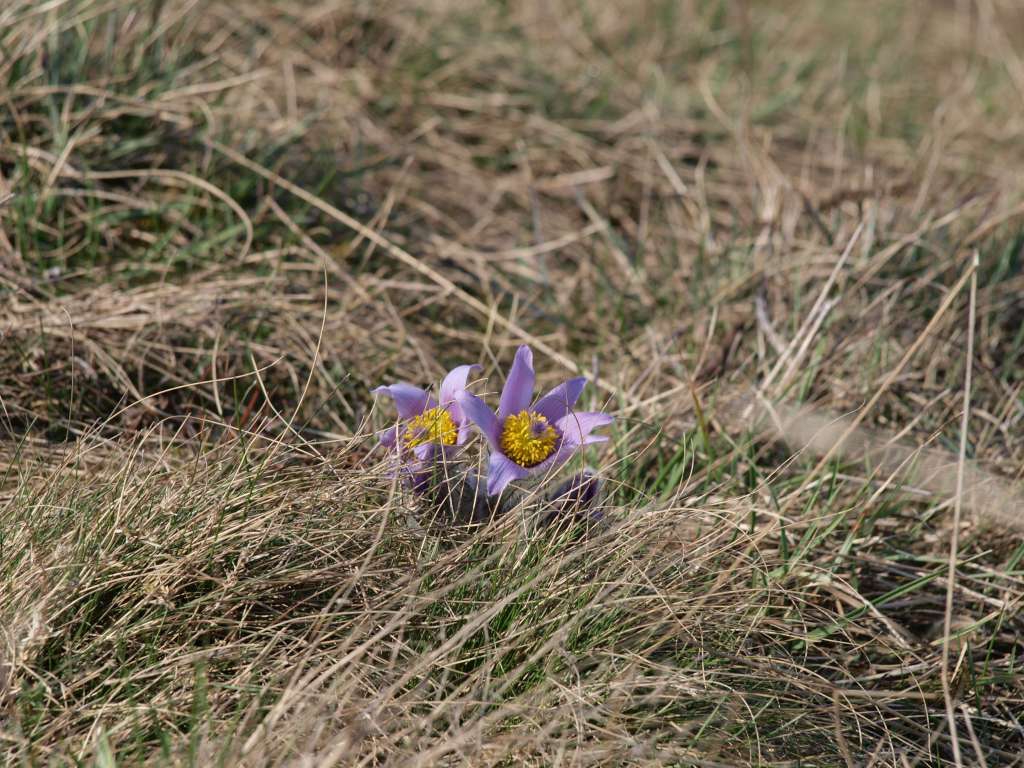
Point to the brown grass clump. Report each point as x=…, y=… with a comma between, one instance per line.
x=768, y=232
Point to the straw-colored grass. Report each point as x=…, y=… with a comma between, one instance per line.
x=761, y=229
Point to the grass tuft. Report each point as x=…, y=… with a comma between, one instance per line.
x=750, y=225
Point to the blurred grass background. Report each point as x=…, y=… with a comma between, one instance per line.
x=230, y=220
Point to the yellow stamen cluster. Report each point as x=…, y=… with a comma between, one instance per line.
x=434, y=425
x=527, y=438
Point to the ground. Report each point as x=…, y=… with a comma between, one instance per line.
x=785, y=242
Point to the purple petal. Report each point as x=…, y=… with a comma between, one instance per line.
x=452, y=384
x=447, y=452
x=388, y=437
x=577, y=426
x=560, y=400
x=562, y=454
x=518, y=390
x=417, y=478
x=477, y=411
x=416, y=471
x=424, y=452
x=501, y=471
x=409, y=400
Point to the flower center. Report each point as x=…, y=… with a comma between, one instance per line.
x=434, y=425
x=527, y=438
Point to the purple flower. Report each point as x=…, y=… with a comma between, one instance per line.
x=527, y=440
x=426, y=426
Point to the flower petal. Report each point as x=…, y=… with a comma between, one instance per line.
x=424, y=452
x=409, y=400
x=388, y=437
x=518, y=390
x=416, y=470
x=455, y=382
x=477, y=411
x=501, y=471
x=577, y=426
x=560, y=400
x=562, y=454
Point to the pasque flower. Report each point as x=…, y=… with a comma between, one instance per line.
x=531, y=439
x=426, y=425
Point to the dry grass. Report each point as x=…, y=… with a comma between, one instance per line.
x=752, y=224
